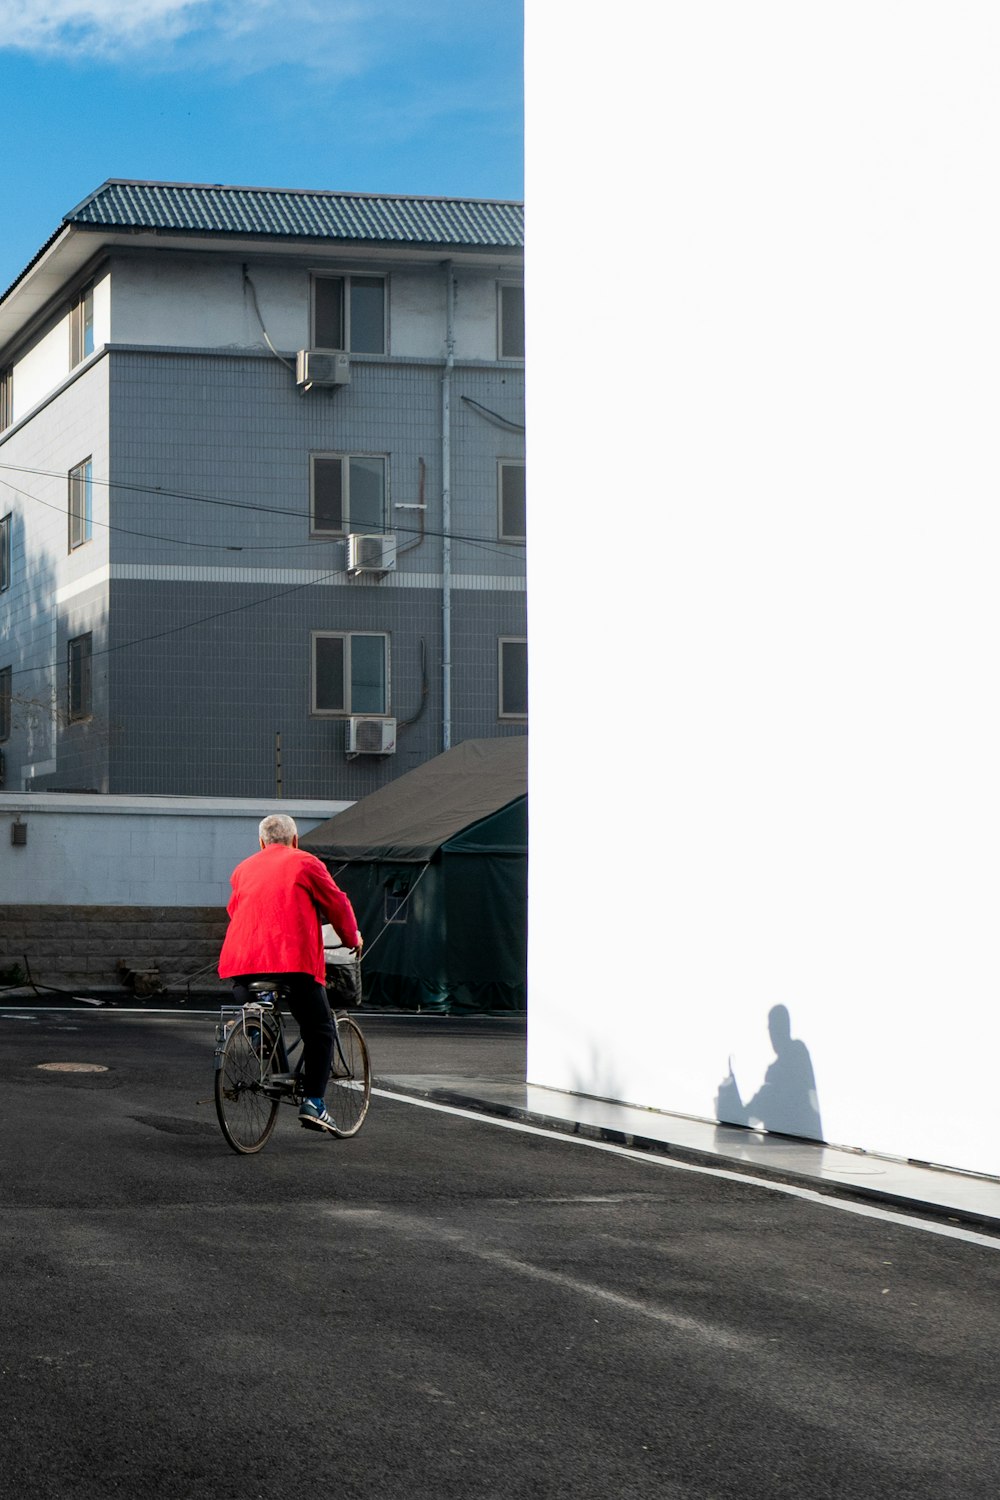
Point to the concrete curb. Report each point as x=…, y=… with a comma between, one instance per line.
x=824, y=1187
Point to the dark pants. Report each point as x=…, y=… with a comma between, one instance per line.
x=307, y=1001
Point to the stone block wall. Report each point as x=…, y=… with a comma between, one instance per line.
x=84, y=947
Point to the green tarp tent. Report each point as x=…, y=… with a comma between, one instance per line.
x=436, y=866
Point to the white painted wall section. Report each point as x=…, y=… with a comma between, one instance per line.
x=798, y=737
x=84, y=850
x=200, y=303
x=41, y=368
x=102, y=309
x=44, y=364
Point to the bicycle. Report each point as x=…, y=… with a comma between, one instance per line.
x=253, y=1074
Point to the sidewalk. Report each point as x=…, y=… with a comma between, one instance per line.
x=826, y=1169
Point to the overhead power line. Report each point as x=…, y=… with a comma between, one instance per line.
x=271, y=510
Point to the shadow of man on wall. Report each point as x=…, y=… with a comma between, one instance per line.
x=786, y=1101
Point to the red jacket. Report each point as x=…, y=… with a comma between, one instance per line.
x=280, y=897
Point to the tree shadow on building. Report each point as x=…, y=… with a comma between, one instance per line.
x=48, y=747
x=786, y=1102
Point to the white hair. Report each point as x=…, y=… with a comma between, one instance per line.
x=277, y=828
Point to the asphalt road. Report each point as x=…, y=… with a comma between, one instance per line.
x=446, y=1307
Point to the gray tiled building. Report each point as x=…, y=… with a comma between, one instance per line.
x=262, y=491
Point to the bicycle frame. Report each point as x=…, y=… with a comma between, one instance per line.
x=276, y=1064
x=274, y=1067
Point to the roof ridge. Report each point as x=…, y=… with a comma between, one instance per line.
x=300, y=213
x=234, y=187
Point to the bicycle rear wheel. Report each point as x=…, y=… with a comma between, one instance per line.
x=350, y=1086
x=246, y=1113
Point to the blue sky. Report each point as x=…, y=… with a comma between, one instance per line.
x=382, y=96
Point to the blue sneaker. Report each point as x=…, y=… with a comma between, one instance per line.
x=313, y=1115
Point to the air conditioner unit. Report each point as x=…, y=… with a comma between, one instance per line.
x=315, y=368
x=371, y=736
x=370, y=554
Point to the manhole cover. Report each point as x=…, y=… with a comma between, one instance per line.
x=72, y=1067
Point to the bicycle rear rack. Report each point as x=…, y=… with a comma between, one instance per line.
x=233, y=1015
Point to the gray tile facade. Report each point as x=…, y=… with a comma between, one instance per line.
x=202, y=585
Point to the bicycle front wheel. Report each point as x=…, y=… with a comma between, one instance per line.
x=246, y=1113
x=350, y=1087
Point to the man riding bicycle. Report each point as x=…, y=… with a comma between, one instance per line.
x=280, y=898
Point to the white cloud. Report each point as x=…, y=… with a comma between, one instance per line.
x=243, y=35
x=95, y=26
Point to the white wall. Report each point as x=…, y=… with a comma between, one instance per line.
x=41, y=368
x=790, y=689
x=132, y=851
x=194, y=302
x=44, y=364
x=164, y=300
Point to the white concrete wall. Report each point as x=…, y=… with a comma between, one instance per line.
x=794, y=728
x=418, y=316
x=196, y=303
x=42, y=366
x=102, y=309
x=132, y=851
x=44, y=363
x=201, y=303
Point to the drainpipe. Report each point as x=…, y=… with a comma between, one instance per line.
x=449, y=365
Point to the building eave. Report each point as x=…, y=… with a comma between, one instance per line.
x=65, y=256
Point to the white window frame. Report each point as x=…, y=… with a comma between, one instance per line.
x=345, y=492
x=502, y=287
x=6, y=525
x=347, y=636
x=85, y=660
x=81, y=517
x=502, y=464
x=508, y=640
x=81, y=326
x=345, y=278
x=6, y=397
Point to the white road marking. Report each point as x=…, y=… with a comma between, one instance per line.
x=808, y=1195
x=418, y=1228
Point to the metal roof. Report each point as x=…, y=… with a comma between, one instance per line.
x=194, y=208
x=410, y=818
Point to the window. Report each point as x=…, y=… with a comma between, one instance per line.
x=80, y=653
x=512, y=517
x=350, y=673
x=513, y=678
x=349, y=313
x=347, y=494
x=5, y=525
x=6, y=698
x=81, y=504
x=81, y=327
x=6, y=397
x=397, y=896
x=510, y=316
